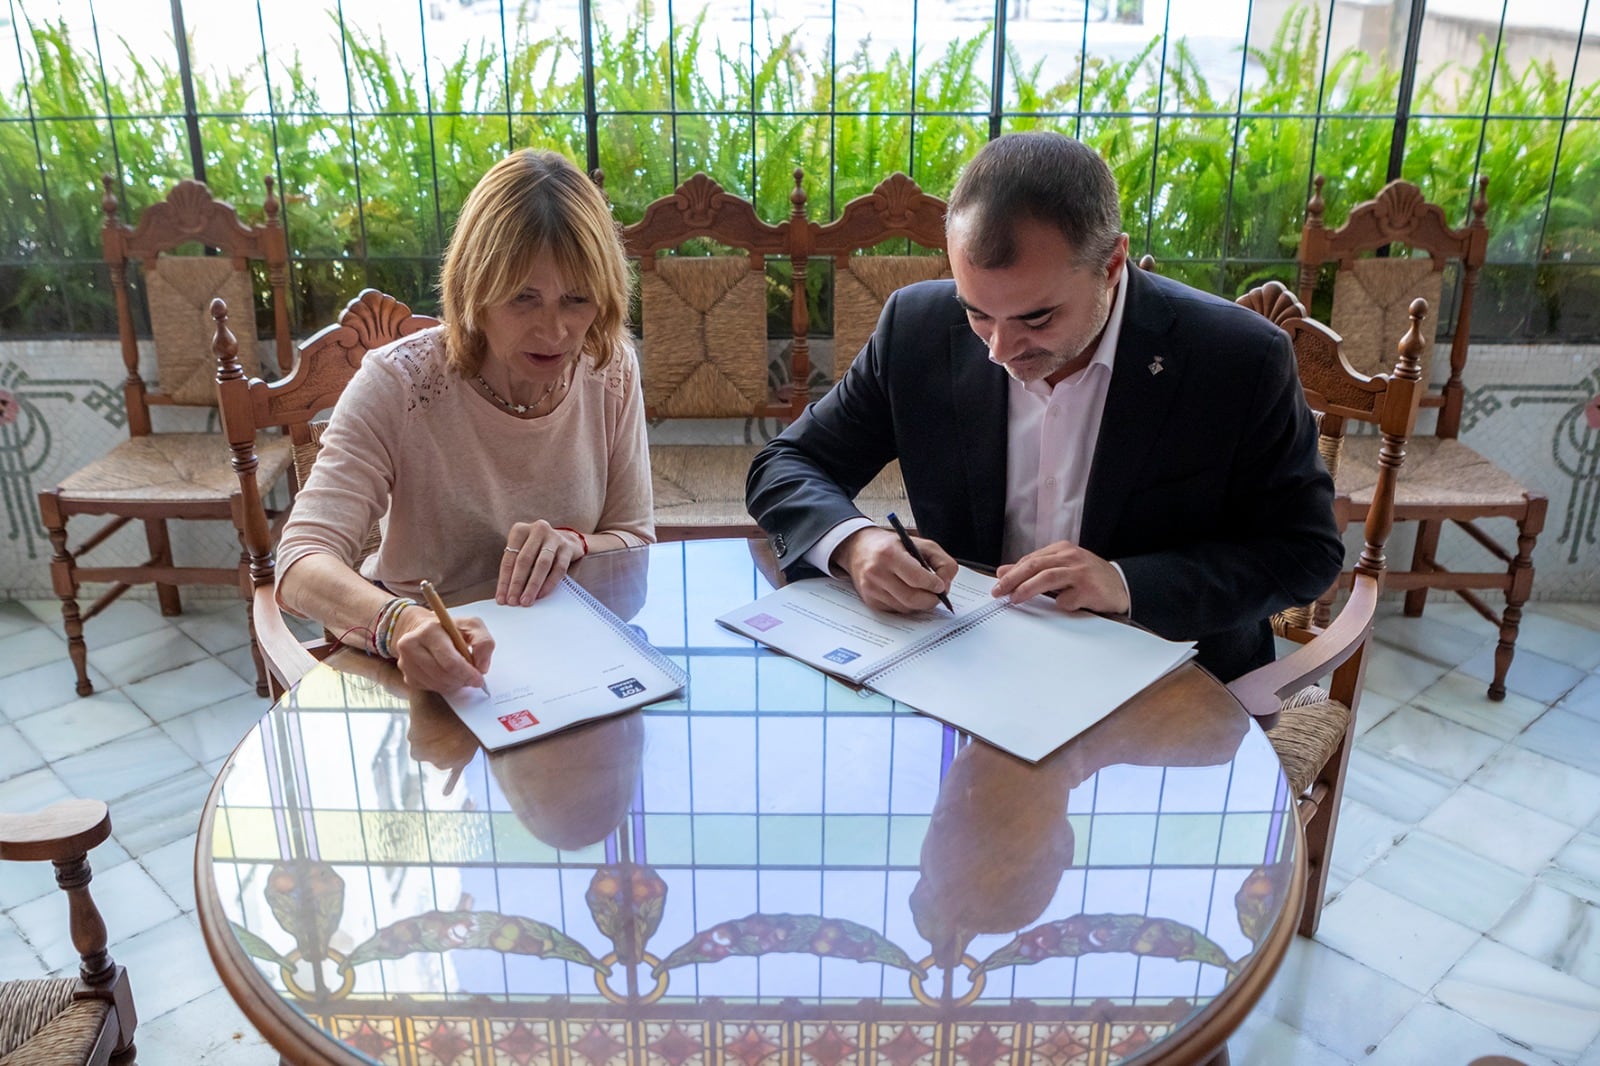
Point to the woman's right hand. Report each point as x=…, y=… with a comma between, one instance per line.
x=428, y=658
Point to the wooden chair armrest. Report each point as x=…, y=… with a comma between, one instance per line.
x=62, y=831
x=1263, y=690
x=286, y=658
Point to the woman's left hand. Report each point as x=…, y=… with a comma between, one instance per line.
x=535, y=559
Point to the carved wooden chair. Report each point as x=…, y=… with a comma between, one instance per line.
x=295, y=405
x=704, y=346
x=1312, y=728
x=156, y=476
x=87, y=1019
x=1446, y=482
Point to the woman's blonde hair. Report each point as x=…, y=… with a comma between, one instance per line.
x=529, y=203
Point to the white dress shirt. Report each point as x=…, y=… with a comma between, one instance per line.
x=1050, y=439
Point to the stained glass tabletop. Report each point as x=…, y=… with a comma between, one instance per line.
x=773, y=868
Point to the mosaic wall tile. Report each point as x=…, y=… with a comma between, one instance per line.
x=1528, y=407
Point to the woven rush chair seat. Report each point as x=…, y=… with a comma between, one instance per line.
x=862, y=287
x=1440, y=472
x=1307, y=734
x=699, y=485
x=173, y=468
x=42, y=1025
x=704, y=351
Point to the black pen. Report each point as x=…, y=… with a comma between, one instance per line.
x=905, y=542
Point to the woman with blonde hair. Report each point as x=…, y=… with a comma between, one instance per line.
x=499, y=447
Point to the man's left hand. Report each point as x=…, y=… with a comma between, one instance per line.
x=1081, y=580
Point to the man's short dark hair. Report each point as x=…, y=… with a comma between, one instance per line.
x=1037, y=176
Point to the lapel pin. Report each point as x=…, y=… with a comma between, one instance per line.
x=1155, y=366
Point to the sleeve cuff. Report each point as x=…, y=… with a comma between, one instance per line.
x=822, y=551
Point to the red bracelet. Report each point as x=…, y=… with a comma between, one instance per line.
x=581, y=538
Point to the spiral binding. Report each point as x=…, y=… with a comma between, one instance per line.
x=916, y=651
x=627, y=632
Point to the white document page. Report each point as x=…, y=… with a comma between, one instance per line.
x=1031, y=678
x=563, y=660
x=823, y=622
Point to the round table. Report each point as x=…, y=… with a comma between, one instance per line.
x=773, y=868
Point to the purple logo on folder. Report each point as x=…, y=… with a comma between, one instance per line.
x=762, y=622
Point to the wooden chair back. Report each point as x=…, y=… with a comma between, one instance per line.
x=296, y=404
x=1312, y=728
x=179, y=288
x=1373, y=289
x=703, y=317
x=897, y=209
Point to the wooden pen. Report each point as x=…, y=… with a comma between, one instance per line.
x=430, y=594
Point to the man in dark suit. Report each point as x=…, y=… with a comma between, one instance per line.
x=1131, y=444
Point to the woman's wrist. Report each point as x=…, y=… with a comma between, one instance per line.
x=583, y=542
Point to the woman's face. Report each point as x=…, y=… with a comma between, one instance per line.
x=536, y=333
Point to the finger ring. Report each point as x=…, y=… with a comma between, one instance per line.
x=547, y=548
x=512, y=551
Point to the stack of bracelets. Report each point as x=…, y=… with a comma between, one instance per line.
x=382, y=630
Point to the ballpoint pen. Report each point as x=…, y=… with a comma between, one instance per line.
x=432, y=596
x=911, y=549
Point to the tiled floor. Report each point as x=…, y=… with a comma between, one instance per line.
x=1466, y=919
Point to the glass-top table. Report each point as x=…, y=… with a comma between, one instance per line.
x=774, y=868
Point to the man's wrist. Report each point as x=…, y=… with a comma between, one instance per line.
x=820, y=554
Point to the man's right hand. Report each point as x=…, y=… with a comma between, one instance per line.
x=885, y=575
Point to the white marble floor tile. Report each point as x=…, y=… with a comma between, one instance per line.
x=1498, y=829
x=1590, y=1057
x=1335, y=1000
x=17, y=958
x=1398, y=675
x=1546, y=785
x=162, y=812
x=122, y=621
x=1448, y=749
x=14, y=618
x=1582, y=614
x=1560, y=639
x=1432, y=638
x=1435, y=1034
x=1584, y=699
x=32, y=647
x=136, y=761
x=1373, y=709
x=1394, y=936
x=200, y=684
x=1263, y=1040
x=1554, y=1014
x=43, y=687
x=172, y=867
x=17, y=755
x=82, y=724
x=1403, y=791
x=1555, y=928
x=1461, y=698
x=212, y=732
x=32, y=790
x=146, y=656
x=176, y=954
x=216, y=627
x=1362, y=836
x=1576, y=868
x=47, y=611
x=1448, y=880
x=1570, y=738
x=1533, y=675
x=207, y=1031
x=241, y=661
x=128, y=899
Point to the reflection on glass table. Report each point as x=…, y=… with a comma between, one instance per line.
x=774, y=866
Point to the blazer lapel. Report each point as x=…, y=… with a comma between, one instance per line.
x=1136, y=406
x=979, y=402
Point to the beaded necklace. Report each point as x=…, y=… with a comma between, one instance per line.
x=520, y=408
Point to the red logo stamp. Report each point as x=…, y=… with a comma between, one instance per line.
x=518, y=720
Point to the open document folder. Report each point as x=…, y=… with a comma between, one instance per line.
x=1025, y=677
x=564, y=660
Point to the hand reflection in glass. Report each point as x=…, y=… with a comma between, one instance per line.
x=999, y=839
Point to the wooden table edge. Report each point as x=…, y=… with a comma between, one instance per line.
x=292, y=1035
x=1208, y=1034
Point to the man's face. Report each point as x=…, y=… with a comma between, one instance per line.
x=1041, y=316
